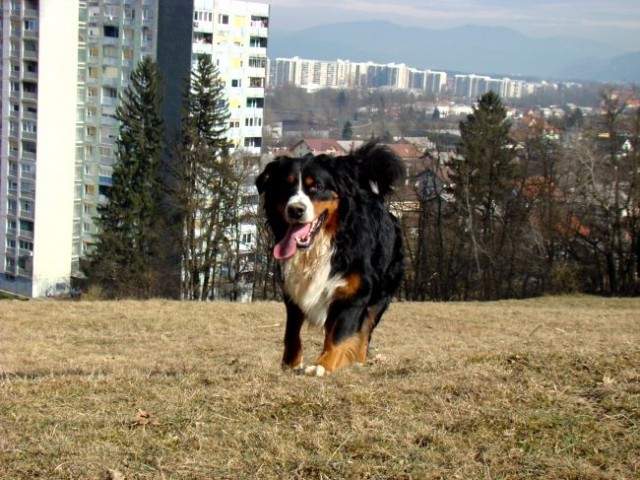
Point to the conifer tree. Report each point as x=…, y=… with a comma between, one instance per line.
x=347, y=131
x=205, y=180
x=487, y=182
x=125, y=257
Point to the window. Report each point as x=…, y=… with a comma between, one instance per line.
x=29, y=147
x=257, y=21
x=236, y=82
x=253, y=122
x=28, y=169
x=259, y=42
x=110, y=51
x=112, y=12
x=29, y=126
x=111, y=31
x=255, y=102
x=30, y=25
x=257, y=62
x=26, y=225
x=25, y=245
x=110, y=72
x=147, y=35
x=256, y=82
x=109, y=93
x=31, y=67
x=253, y=142
x=30, y=46
x=30, y=87
x=223, y=19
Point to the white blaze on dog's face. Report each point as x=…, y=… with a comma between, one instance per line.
x=299, y=208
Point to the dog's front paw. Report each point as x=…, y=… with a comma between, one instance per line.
x=315, y=371
x=295, y=369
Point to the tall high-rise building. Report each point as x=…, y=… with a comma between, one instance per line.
x=64, y=65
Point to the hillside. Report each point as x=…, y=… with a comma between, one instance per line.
x=545, y=388
x=469, y=49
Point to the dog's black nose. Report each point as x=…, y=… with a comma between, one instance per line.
x=295, y=211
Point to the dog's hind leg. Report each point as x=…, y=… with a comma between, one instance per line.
x=374, y=314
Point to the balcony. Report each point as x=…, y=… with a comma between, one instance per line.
x=32, y=34
x=30, y=54
x=251, y=131
x=27, y=214
x=29, y=135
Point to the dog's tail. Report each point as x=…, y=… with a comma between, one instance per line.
x=379, y=168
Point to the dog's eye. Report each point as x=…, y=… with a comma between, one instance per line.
x=316, y=187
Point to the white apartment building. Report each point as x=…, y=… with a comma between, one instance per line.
x=315, y=74
x=38, y=143
x=60, y=89
x=235, y=34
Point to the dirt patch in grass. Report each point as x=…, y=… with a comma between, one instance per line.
x=545, y=388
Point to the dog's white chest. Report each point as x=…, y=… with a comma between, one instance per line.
x=308, y=280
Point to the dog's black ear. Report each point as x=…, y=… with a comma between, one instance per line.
x=379, y=168
x=267, y=173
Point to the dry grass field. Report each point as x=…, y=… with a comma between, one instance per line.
x=545, y=388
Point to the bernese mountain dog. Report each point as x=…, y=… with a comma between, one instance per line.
x=338, y=247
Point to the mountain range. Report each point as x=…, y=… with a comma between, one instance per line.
x=495, y=51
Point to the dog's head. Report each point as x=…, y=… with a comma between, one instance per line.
x=303, y=196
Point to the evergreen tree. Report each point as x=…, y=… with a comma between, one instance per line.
x=205, y=179
x=487, y=182
x=124, y=259
x=347, y=131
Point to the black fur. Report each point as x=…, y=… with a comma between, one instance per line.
x=367, y=240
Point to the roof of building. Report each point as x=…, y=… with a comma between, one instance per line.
x=405, y=150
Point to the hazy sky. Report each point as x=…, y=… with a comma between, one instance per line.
x=615, y=22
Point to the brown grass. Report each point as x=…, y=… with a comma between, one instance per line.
x=546, y=388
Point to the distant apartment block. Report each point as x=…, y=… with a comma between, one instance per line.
x=64, y=65
x=315, y=74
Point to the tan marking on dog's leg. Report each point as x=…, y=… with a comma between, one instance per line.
x=364, y=333
x=342, y=355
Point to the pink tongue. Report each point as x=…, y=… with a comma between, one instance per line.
x=287, y=247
